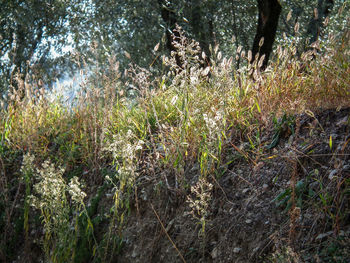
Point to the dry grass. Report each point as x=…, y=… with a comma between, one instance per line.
x=192, y=115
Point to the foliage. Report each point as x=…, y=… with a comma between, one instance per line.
x=50, y=198
x=32, y=33
x=190, y=116
x=48, y=38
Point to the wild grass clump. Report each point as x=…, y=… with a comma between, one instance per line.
x=60, y=205
x=192, y=115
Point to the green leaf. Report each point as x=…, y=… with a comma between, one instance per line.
x=275, y=140
x=283, y=195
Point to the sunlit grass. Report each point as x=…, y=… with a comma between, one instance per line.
x=189, y=116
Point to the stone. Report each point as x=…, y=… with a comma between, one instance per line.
x=245, y=190
x=332, y=174
x=248, y=221
x=237, y=250
x=214, y=253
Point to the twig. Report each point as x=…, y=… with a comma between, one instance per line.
x=172, y=242
x=223, y=191
x=243, y=153
x=245, y=180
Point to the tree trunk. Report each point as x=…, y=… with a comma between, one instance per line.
x=324, y=8
x=269, y=12
x=204, y=35
x=173, y=37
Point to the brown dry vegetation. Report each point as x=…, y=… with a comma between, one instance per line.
x=241, y=166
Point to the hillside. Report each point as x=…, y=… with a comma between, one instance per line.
x=198, y=165
x=250, y=212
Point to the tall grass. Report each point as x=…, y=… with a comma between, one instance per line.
x=191, y=115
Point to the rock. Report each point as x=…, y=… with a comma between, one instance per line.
x=346, y=167
x=248, y=221
x=245, y=190
x=109, y=195
x=323, y=235
x=256, y=249
x=332, y=174
x=237, y=250
x=134, y=253
x=265, y=186
x=343, y=121
x=214, y=253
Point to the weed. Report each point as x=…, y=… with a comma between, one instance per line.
x=50, y=197
x=284, y=199
x=191, y=116
x=199, y=205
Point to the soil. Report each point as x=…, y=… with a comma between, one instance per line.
x=254, y=214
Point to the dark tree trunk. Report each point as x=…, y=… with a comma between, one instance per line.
x=18, y=57
x=328, y=7
x=204, y=35
x=324, y=8
x=173, y=37
x=269, y=12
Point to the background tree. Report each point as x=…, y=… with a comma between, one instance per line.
x=322, y=11
x=40, y=36
x=302, y=12
x=168, y=13
x=32, y=35
x=269, y=12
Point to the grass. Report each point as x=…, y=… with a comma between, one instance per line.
x=178, y=120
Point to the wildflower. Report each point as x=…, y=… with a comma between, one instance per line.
x=74, y=190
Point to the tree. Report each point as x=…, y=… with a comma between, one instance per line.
x=173, y=37
x=30, y=32
x=33, y=32
x=269, y=12
x=323, y=9
x=200, y=26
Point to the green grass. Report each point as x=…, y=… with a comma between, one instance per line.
x=176, y=121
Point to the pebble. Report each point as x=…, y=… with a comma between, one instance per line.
x=245, y=190
x=346, y=167
x=332, y=174
x=134, y=253
x=214, y=253
x=323, y=235
x=237, y=250
x=343, y=121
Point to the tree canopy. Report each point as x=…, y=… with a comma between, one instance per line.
x=40, y=36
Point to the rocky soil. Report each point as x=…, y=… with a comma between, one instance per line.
x=286, y=200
